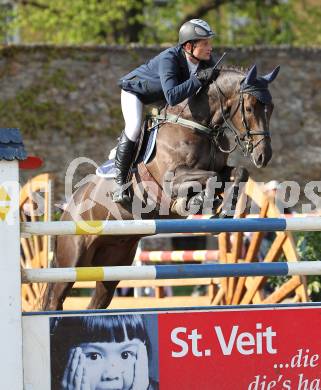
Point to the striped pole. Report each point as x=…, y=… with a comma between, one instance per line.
x=196, y=255
x=152, y=272
x=146, y=227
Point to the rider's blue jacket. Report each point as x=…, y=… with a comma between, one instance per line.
x=164, y=77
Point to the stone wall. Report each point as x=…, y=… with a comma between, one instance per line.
x=66, y=102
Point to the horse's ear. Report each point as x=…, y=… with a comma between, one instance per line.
x=251, y=76
x=271, y=76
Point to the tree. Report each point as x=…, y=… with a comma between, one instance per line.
x=7, y=32
x=80, y=21
x=157, y=21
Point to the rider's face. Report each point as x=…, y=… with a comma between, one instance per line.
x=203, y=49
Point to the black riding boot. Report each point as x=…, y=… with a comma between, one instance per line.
x=123, y=161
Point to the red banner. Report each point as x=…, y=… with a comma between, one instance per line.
x=241, y=349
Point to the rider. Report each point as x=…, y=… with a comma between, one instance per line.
x=172, y=76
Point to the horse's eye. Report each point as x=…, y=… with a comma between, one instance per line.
x=248, y=109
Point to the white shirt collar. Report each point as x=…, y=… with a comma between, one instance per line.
x=191, y=66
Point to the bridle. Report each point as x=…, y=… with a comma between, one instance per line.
x=244, y=141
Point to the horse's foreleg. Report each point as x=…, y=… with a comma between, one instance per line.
x=204, y=203
x=54, y=295
x=103, y=294
x=195, y=189
x=232, y=192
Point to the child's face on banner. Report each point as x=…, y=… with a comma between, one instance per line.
x=110, y=366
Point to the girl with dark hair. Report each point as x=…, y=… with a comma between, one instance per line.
x=100, y=353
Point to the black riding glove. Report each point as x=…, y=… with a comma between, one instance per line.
x=207, y=75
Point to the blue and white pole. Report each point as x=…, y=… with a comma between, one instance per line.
x=152, y=272
x=172, y=226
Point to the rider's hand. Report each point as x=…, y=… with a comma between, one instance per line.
x=207, y=75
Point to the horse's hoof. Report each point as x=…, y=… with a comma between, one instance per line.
x=121, y=197
x=197, y=200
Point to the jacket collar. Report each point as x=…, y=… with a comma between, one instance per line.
x=183, y=62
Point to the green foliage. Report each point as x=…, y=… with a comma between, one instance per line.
x=254, y=21
x=5, y=16
x=56, y=215
x=309, y=247
x=241, y=22
x=78, y=21
x=307, y=30
x=274, y=282
x=261, y=23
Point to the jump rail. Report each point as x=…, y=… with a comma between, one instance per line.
x=187, y=255
x=151, y=272
x=146, y=227
x=11, y=337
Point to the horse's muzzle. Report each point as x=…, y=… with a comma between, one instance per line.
x=262, y=154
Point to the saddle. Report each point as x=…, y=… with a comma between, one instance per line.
x=145, y=147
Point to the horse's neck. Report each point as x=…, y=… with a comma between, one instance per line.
x=198, y=107
x=228, y=83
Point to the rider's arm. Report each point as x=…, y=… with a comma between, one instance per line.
x=174, y=92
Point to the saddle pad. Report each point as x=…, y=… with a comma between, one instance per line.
x=151, y=142
x=107, y=169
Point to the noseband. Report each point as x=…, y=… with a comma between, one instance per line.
x=244, y=141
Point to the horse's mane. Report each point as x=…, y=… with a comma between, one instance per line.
x=237, y=71
x=234, y=68
x=229, y=74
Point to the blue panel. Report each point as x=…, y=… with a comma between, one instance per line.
x=10, y=135
x=11, y=145
x=220, y=225
x=220, y=270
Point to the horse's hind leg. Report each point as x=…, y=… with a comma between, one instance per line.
x=116, y=253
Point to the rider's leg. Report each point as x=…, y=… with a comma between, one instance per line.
x=132, y=109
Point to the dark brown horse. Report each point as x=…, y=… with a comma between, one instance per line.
x=192, y=146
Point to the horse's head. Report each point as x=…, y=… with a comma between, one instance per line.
x=247, y=111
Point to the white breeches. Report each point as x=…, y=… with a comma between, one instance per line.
x=132, y=109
